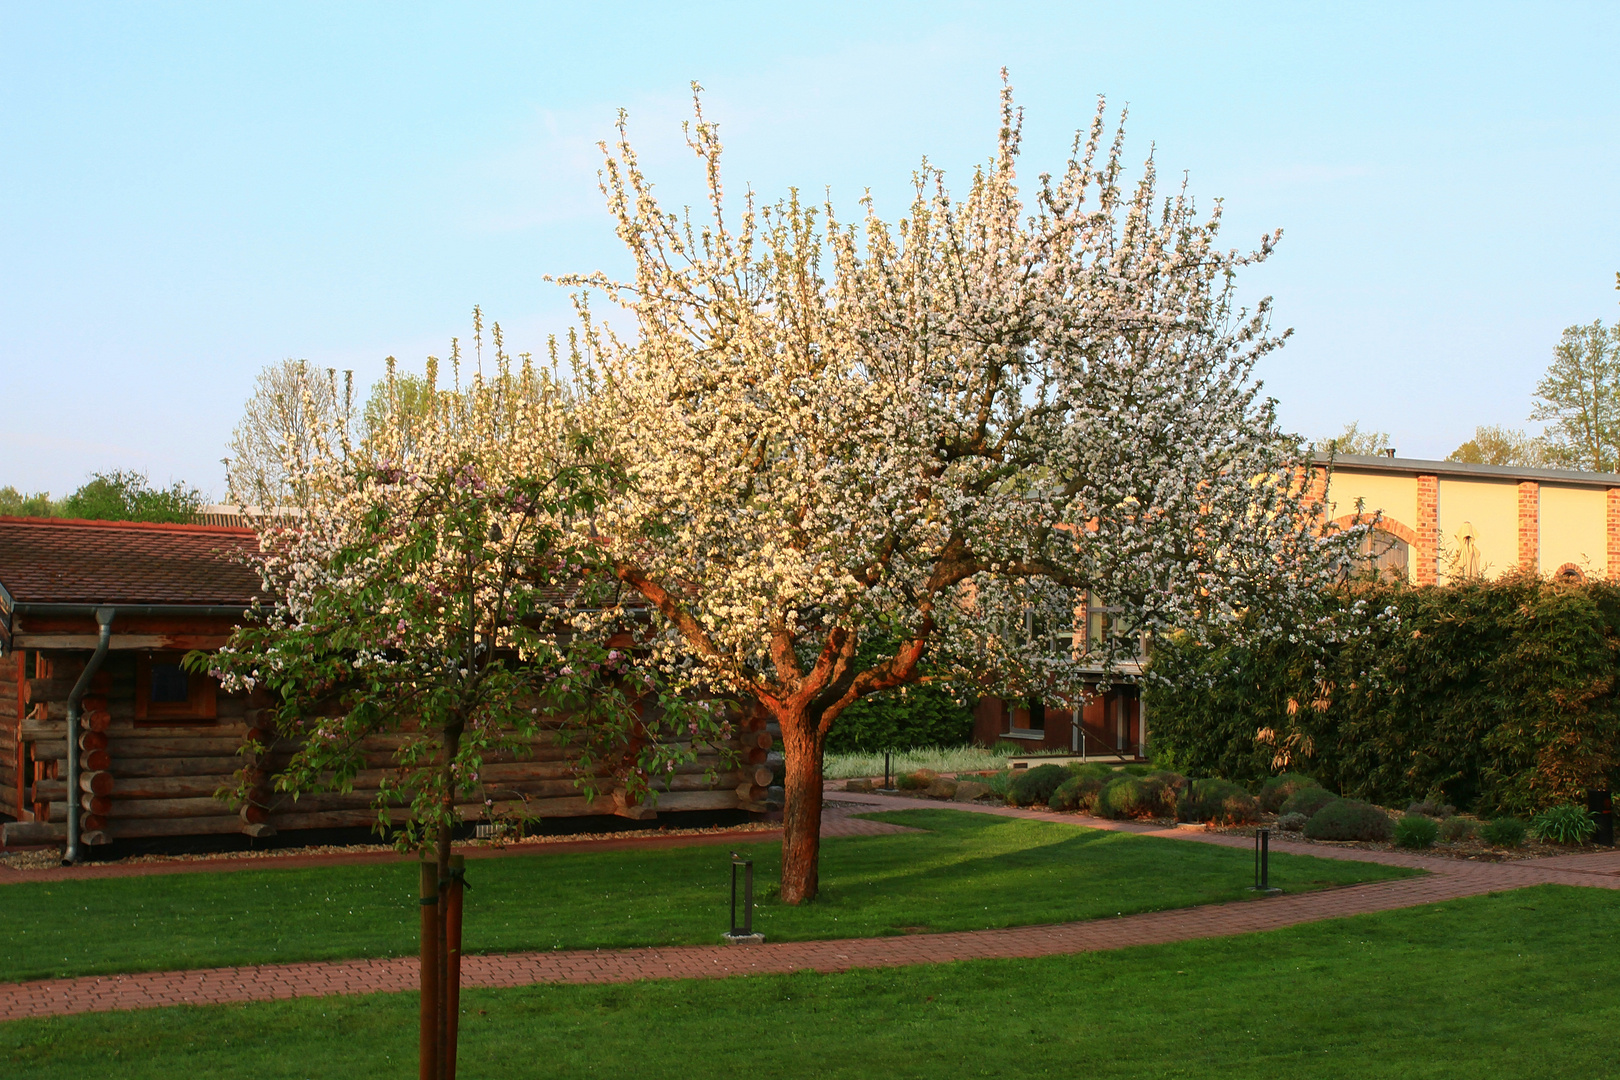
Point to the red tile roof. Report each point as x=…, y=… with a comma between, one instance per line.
x=61, y=560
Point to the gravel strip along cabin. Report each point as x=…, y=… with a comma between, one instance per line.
x=155, y=743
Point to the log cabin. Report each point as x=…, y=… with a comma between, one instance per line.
x=106, y=737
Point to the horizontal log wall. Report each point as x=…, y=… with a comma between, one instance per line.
x=12, y=781
x=174, y=779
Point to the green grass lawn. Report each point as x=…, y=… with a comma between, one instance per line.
x=967, y=872
x=1514, y=985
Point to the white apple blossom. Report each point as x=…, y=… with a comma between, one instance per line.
x=943, y=431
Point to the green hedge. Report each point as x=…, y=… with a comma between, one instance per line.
x=1498, y=696
x=922, y=716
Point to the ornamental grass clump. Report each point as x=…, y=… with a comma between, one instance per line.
x=1416, y=831
x=1076, y=793
x=1307, y=801
x=1036, y=785
x=1276, y=790
x=1134, y=797
x=1566, y=824
x=1219, y=802
x=1505, y=832
x=1347, y=819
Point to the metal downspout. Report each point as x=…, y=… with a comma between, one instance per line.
x=104, y=616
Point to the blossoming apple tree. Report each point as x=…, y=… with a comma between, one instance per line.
x=945, y=431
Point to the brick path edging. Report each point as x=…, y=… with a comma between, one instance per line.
x=1448, y=879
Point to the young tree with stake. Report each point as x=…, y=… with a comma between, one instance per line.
x=944, y=432
x=442, y=593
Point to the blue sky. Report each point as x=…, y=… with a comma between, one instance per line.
x=190, y=192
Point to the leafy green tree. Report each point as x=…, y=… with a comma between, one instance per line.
x=292, y=404
x=129, y=496
x=1494, y=445
x=14, y=503
x=1352, y=440
x=1579, y=397
x=400, y=398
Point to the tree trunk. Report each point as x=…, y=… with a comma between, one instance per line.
x=802, y=744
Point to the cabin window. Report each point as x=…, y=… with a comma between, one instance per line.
x=165, y=692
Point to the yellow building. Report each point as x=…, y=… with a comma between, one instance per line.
x=1444, y=521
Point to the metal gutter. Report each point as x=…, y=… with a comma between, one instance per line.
x=104, y=616
x=1362, y=463
x=31, y=608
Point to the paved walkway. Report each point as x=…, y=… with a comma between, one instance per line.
x=1447, y=879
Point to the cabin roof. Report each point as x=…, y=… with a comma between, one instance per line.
x=67, y=561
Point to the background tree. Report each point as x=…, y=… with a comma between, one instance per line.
x=944, y=431
x=14, y=503
x=399, y=400
x=291, y=405
x=1579, y=397
x=435, y=588
x=1352, y=440
x=129, y=496
x=1493, y=445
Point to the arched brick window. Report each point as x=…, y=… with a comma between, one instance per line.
x=1387, y=547
x=1569, y=574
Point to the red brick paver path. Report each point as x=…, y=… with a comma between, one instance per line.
x=1448, y=879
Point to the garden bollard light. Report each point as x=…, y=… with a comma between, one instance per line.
x=1262, y=862
x=886, y=784
x=746, y=933
x=1601, y=807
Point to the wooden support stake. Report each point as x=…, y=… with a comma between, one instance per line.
x=452, y=1003
x=429, y=1017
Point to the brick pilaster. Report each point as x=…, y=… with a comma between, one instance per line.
x=1530, y=526
x=1428, y=529
x=1612, y=532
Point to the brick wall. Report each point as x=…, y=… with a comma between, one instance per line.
x=1612, y=567
x=1530, y=525
x=1428, y=529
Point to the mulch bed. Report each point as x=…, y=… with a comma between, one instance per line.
x=39, y=863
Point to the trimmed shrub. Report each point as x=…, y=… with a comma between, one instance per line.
x=1292, y=822
x=1454, y=829
x=1430, y=808
x=1307, y=801
x=1346, y=819
x=1100, y=769
x=1276, y=790
x=1133, y=797
x=1076, y=793
x=1174, y=781
x=1416, y=831
x=1031, y=786
x=1566, y=824
x=1218, y=801
x=1504, y=832
x=1137, y=770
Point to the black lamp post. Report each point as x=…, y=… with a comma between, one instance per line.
x=743, y=935
x=1262, y=863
